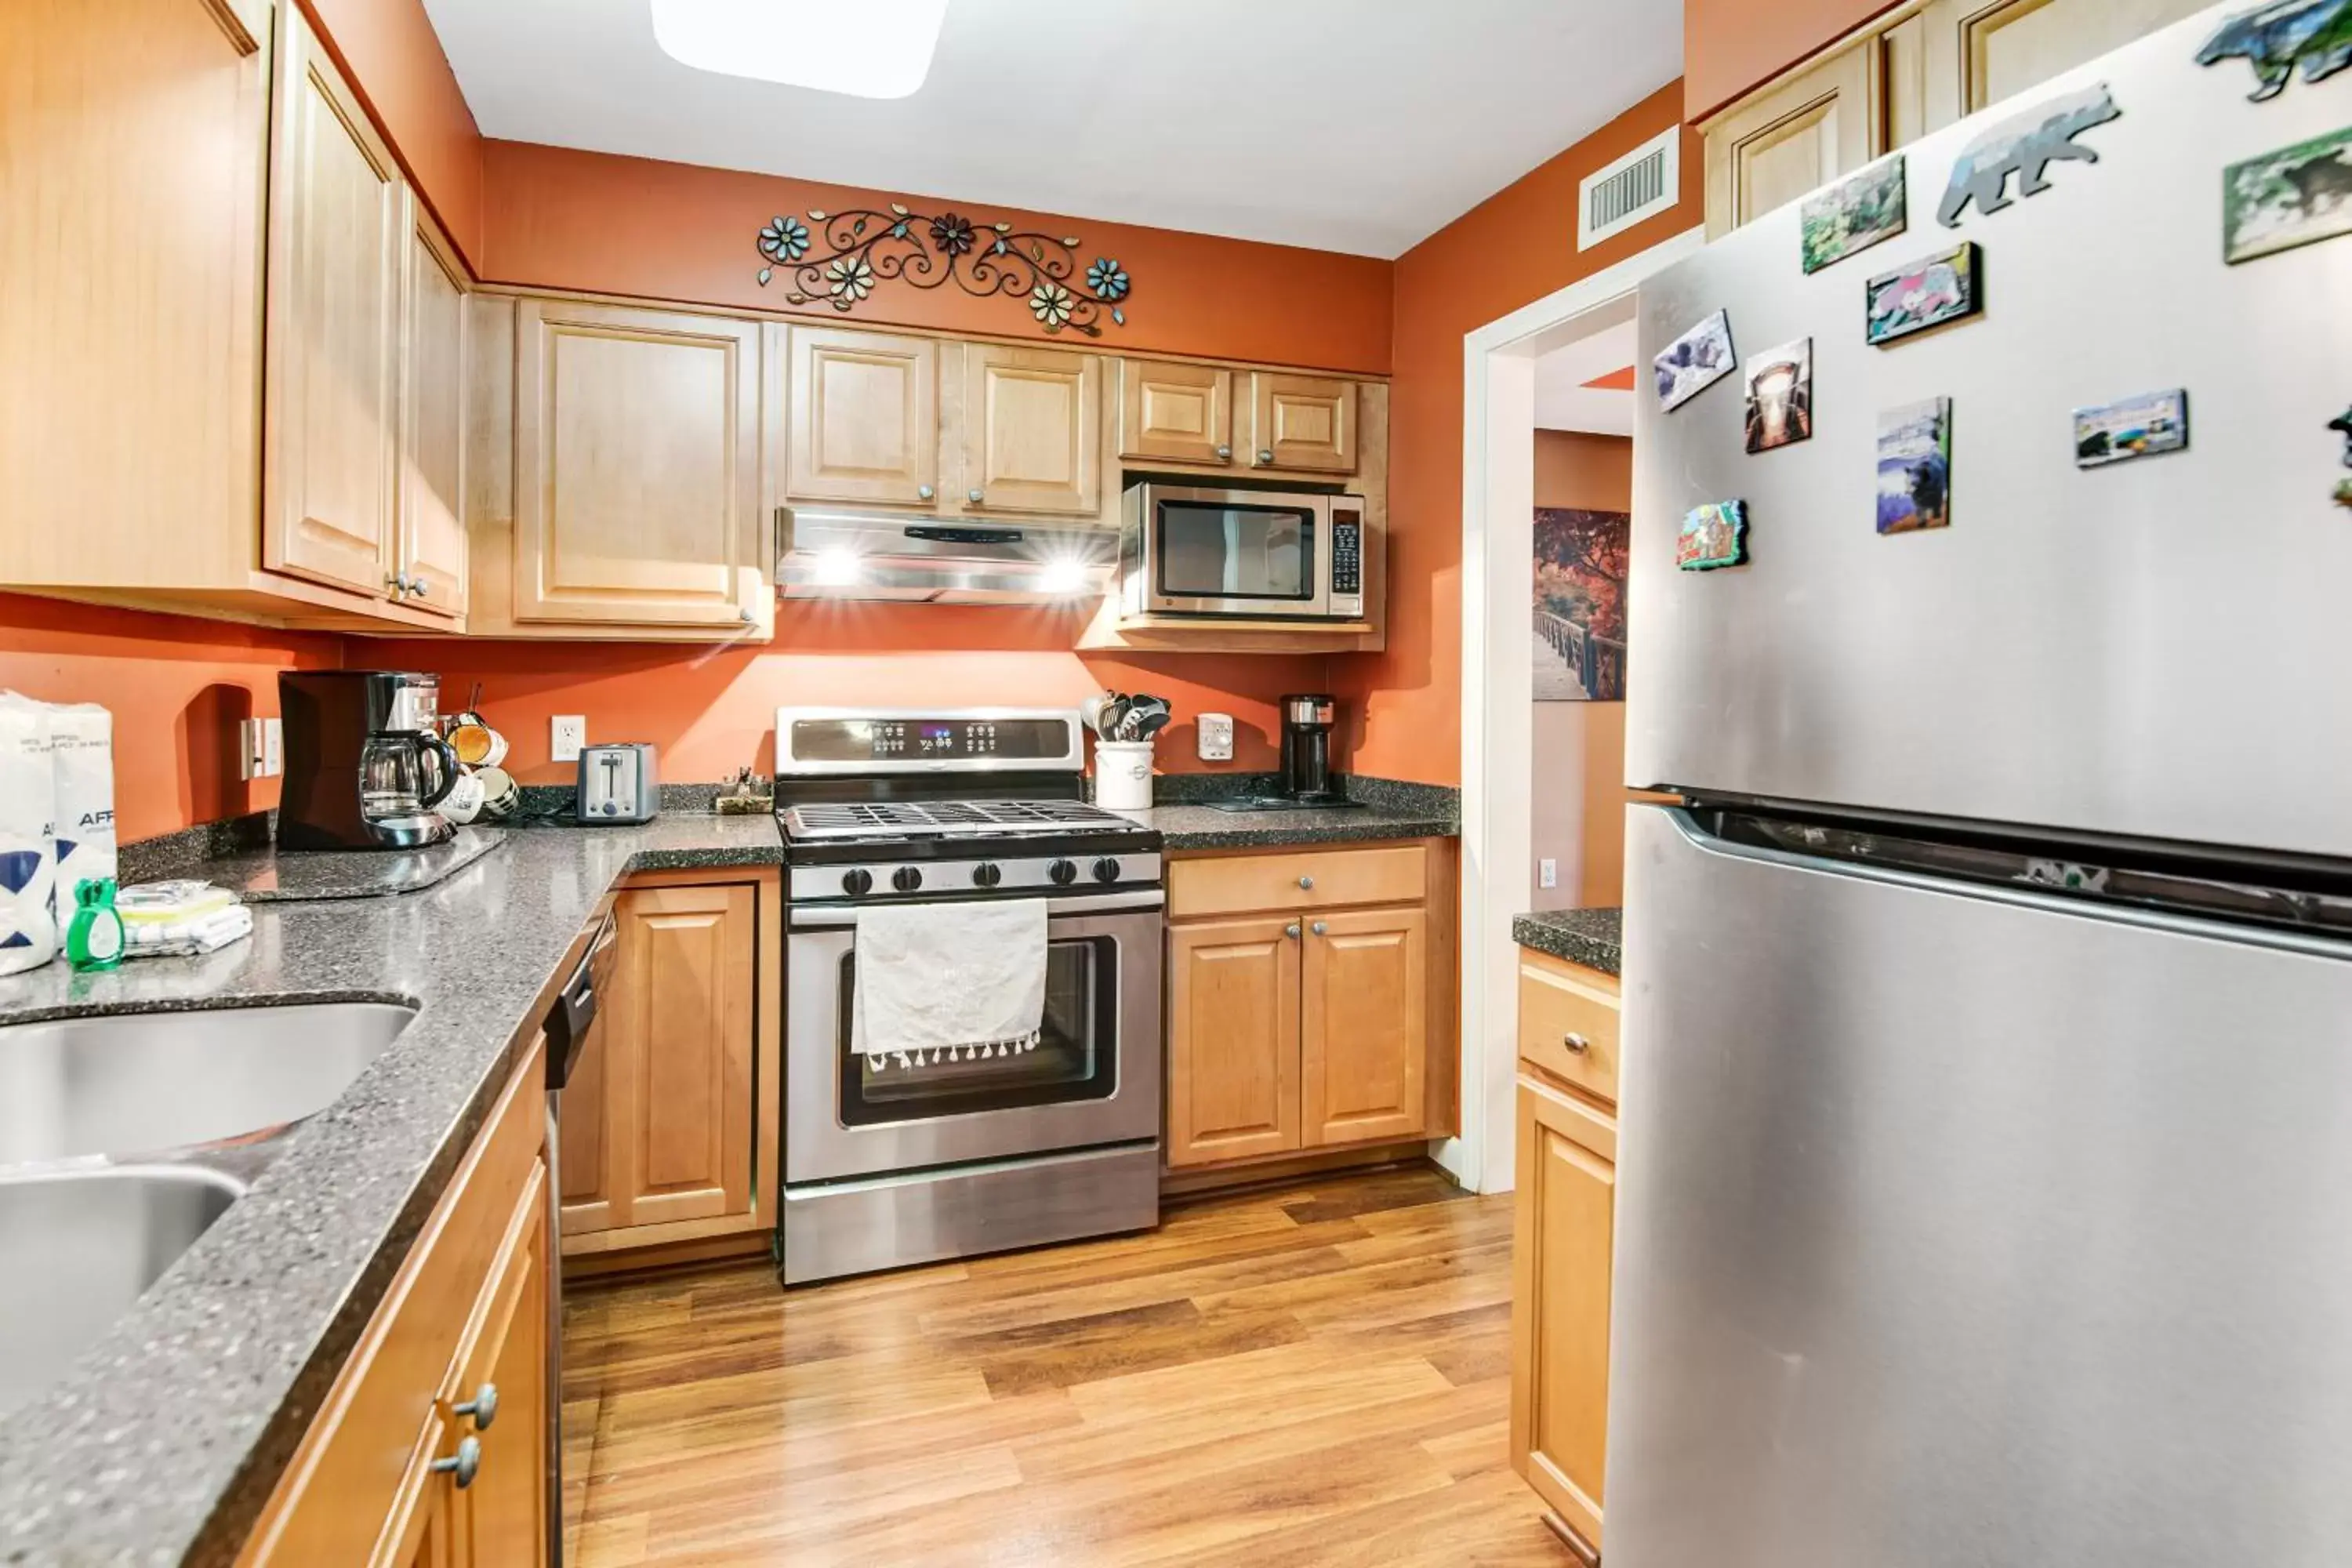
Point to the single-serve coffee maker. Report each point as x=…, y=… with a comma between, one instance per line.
x=366, y=763
x=1306, y=749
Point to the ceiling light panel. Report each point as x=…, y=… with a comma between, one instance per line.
x=867, y=48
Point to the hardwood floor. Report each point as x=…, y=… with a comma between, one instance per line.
x=1314, y=1374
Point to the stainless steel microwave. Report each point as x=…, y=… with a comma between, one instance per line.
x=1269, y=555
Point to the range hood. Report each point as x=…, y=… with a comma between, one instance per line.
x=945, y=561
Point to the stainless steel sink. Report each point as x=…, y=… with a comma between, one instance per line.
x=133, y=1083
x=79, y=1248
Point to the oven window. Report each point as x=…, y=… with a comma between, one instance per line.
x=1236, y=552
x=1077, y=1057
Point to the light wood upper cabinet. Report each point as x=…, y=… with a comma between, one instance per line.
x=1363, y=1046
x=864, y=422
x=1232, y=1039
x=658, y=1121
x=1561, y=1264
x=338, y=243
x=636, y=436
x=1305, y=423
x=432, y=483
x=1805, y=130
x=1176, y=413
x=1030, y=433
x=1982, y=51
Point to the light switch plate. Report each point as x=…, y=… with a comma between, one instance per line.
x=567, y=732
x=1546, y=873
x=260, y=748
x=1216, y=734
x=273, y=747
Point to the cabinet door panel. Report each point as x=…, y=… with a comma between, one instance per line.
x=637, y=468
x=585, y=1165
x=1560, y=1303
x=1987, y=50
x=683, y=1026
x=1779, y=143
x=432, y=428
x=1233, y=1040
x=1302, y=422
x=1180, y=411
x=502, y=1517
x=865, y=422
x=1030, y=431
x=1363, y=1044
x=338, y=241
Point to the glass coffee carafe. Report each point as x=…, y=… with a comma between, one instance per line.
x=403, y=774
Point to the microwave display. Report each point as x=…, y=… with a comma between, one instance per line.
x=1236, y=550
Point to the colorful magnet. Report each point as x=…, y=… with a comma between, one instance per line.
x=1713, y=535
x=1695, y=361
x=1927, y=293
x=2024, y=145
x=2296, y=195
x=1914, y=467
x=2143, y=427
x=2314, y=34
x=1854, y=214
x=2342, y=425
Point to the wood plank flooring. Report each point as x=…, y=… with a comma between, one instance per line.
x=1314, y=1374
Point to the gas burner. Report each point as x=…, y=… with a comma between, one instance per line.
x=836, y=820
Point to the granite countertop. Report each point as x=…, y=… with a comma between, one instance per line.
x=1389, y=811
x=267, y=876
x=1589, y=937
x=165, y=1438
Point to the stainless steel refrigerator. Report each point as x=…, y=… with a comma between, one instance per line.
x=1986, y=1180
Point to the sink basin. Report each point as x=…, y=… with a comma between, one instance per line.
x=78, y=1248
x=131, y=1083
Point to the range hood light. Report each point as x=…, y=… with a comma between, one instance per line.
x=865, y=48
x=1066, y=576
x=839, y=569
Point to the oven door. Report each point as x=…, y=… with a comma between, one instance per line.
x=1093, y=1079
x=1262, y=554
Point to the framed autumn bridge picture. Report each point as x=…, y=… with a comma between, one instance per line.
x=1579, y=605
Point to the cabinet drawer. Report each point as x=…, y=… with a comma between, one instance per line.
x=1314, y=880
x=1560, y=1003
x=357, y=1472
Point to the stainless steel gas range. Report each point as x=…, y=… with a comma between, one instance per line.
x=889, y=1163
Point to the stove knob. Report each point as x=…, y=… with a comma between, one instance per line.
x=986, y=875
x=857, y=884
x=906, y=878
x=1064, y=872
x=1106, y=869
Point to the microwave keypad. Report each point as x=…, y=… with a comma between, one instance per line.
x=1347, y=553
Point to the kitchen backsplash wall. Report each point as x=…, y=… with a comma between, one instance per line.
x=176, y=686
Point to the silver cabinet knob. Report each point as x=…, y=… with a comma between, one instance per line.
x=1307, y=882
x=483, y=1408
x=1224, y=453
x=924, y=492
x=1291, y=930
x=1577, y=1043
x=973, y=496
x=465, y=1464
x=1265, y=454
x=398, y=583
x=747, y=617
x=420, y=587
x=1319, y=929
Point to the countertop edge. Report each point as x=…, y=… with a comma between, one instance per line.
x=1591, y=938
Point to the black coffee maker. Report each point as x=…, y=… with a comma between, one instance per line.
x=1306, y=749
x=366, y=763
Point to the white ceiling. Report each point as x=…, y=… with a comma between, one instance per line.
x=1562, y=400
x=1354, y=125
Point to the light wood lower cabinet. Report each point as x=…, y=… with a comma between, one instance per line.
x=1301, y=1016
x=376, y=1479
x=670, y=1116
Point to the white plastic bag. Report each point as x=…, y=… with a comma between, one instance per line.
x=29, y=851
x=81, y=737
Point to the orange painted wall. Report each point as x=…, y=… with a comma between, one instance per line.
x=390, y=54
x=1730, y=45
x=177, y=689
x=564, y=219
x=1518, y=245
x=712, y=709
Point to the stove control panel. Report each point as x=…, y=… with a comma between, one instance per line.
x=811, y=742
x=880, y=881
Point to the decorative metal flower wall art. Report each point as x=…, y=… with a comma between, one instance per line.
x=839, y=260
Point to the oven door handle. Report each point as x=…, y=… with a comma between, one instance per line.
x=806, y=917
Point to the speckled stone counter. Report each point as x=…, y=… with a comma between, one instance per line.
x=1589, y=937
x=267, y=876
x=1388, y=811
x=162, y=1443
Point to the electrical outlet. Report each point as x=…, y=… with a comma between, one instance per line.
x=567, y=734
x=1546, y=873
x=1216, y=737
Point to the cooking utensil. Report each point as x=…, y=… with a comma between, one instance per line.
x=1091, y=710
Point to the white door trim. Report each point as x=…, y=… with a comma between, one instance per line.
x=1497, y=637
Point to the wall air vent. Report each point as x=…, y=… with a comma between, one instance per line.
x=1647, y=181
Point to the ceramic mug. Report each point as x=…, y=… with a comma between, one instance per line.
x=464, y=801
x=477, y=744
x=502, y=797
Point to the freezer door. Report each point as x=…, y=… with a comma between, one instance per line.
x=1965, y=1228
x=2153, y=648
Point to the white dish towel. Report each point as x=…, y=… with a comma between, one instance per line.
x=949, y=982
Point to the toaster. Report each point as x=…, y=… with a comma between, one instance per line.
x=617, y=784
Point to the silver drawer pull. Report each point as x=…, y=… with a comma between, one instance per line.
x=465, y=1464
x=483, y=1408
x=1318, y=927
x=1307, y=882
x=1577, y=1043
x=1291, y=930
